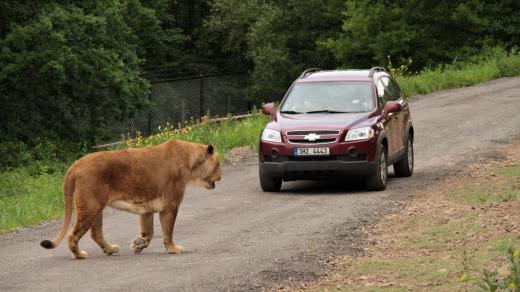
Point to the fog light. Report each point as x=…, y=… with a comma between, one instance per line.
x=274, y=153
x=352, y=152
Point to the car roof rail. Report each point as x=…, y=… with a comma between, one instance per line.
x=373, y=70
x=309, y=72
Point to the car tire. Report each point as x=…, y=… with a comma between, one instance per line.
x=378, y=180
x=269, y=183
x=404, y=167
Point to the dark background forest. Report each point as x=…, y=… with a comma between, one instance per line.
x=61, y=59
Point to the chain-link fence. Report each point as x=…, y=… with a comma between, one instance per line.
x=178, y=100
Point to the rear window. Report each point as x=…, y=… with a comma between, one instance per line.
x=349, y=97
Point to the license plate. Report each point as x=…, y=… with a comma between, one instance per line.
x=311, y=151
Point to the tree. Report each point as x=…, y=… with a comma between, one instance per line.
x=429, y=32
x=276, y=40
x=285, y=40
x=67, y=71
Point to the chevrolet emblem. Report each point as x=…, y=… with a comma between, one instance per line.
x=311, y=137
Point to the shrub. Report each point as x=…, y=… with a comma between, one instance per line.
x=509, y=64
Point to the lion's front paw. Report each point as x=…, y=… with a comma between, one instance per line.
x=174, y=248
x=139, y=243
x=112, y=249
x=81, y=255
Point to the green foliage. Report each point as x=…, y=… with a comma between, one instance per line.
x=156, y=41
x=64, y=67
x=430, y=32
x=509, y=63
x=279, y=38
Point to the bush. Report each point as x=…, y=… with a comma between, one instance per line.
x=509, y=64
x=14, y=153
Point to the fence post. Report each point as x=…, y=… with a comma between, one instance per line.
x=150, y=116
x=201, y=96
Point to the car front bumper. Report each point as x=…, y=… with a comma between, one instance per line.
x=317, y=170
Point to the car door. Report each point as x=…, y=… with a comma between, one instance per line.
x=402, y=118
x=386, y=92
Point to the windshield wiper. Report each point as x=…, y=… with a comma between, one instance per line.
x=325, y=111
x=290, y=112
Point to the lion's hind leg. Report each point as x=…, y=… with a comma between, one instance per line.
x=87, y=211
x=83, y=223
x=142, y=240
x=96, y=232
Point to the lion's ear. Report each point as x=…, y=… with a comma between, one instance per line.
x=210, y=149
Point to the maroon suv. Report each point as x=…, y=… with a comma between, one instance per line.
x=333, y=124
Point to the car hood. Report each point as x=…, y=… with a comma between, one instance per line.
x=323, y=121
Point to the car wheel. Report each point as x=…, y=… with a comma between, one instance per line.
x=404, y=167
x=377, y=181
x=269, y=183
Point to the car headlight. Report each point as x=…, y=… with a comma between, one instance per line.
x=359, y=134
x=271, y=136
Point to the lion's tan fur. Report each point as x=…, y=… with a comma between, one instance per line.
x=141, y=181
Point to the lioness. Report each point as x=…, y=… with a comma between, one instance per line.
x=141, y=181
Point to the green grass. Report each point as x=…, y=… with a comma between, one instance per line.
x=494, y=64
x=434, y=271
x=225, y=135
x=27, y=199
x=480, y=197
x=511, y=171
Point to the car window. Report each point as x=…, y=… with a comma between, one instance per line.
x=394, y=89
x=329, y=96
x=382, y=93
x=387, y=90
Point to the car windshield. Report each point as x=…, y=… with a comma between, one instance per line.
x=329, y=97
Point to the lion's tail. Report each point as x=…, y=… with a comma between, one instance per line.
x=68, y=191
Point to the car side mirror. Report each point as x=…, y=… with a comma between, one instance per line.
x=391, y=107
x=269, y=109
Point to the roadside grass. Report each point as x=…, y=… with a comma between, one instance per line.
x=32, y=193
x=225, y=135
x=485, y=190
x=430, y=80
x=27, y=199
x=511, y=171
x=493, y=64
x=444, y=240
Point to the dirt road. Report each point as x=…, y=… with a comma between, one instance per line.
x=239, y=238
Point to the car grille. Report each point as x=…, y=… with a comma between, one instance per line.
x=302, y=136
x=317, y=132
x=303, y=141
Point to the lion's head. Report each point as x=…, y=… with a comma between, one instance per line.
x=207, y=171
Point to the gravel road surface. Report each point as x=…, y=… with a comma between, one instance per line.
x=238, y=238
